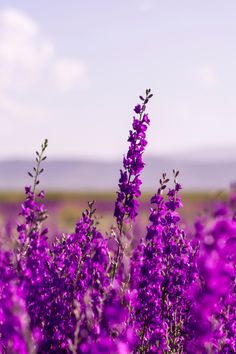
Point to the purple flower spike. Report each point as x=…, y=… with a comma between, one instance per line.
x=129, y=183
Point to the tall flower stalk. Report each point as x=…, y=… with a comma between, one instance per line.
x=130, y=182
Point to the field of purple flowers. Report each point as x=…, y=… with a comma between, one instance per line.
x=163, y=288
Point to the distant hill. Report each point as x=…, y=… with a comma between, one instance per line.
x=85, y=175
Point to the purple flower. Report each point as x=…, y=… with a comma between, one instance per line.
x=138, y=109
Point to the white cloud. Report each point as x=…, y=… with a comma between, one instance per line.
x=69, y=73
x=26, y=57
x=23, y=53
x=206, y=76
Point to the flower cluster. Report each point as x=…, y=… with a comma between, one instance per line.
x=173, y=292
x=167, y=272
x=213, y=311
x=15, y=334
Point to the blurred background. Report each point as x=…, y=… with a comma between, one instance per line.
x=72, y=72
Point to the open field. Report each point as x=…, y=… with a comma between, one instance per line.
x=65, y=208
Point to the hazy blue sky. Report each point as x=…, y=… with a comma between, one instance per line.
x=71, y=71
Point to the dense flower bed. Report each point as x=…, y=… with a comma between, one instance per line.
x=170, y=292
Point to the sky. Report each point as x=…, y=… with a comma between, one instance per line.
x=72, y=71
